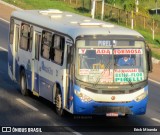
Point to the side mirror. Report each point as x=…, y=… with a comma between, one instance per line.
x=149, y=59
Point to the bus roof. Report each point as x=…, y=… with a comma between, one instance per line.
x=71, y=24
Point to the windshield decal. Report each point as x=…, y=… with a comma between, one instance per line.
x=126, y=70
x=105, y=77
x=116, y=51
x=103, y=51
x=84, y=71
x=132, y=75
x=127, y=51
x=82, y=51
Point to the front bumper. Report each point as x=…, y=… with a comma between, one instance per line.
x=101, y=108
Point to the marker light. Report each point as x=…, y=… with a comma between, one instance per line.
x=141, y=97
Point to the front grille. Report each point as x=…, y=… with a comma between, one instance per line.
x=105, y=109
x=112, y=91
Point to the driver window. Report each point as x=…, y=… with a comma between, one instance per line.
x=125, y=60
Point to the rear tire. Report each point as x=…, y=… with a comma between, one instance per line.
x=58, y=103
x=23, y=84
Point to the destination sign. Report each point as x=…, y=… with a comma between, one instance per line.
x=127, y=51
x=109, y=43
x=115, y=51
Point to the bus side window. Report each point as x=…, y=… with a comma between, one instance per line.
x=25, y=36
x=11, y=31
x=37, y=43
x=30, y=39
x=46, y=43
x=57, y=49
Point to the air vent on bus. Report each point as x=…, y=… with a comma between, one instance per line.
x=74, y=22
x=87, y=23
x=90, y=24
x=107, y=25
x=86, y=20
x=50, y=11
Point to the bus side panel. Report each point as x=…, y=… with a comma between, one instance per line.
x=10, y=62
x=46, y=88
x=49, y=74
x=17, y=74
x=71, y=94
x=29, y=79
x=36, y=85
x=25, y=62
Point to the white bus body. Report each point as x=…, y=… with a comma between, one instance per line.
x=44, y=57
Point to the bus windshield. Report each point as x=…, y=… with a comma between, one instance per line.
x=110, y=61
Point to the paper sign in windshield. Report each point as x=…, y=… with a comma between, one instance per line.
x=104, y=76
x=133, y=75
x=99, y=75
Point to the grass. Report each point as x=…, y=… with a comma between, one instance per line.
x=39, y=4
x=50, y=4
x=59, y=4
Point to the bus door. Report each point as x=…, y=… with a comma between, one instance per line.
x=35, y=62
x=15, y=50
x=68, y=77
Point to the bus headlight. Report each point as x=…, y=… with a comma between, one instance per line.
x=82, y=96
x=141, y=97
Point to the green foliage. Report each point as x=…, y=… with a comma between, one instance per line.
x=129, y=5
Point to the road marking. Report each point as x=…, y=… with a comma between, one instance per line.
x=153, y=81
x=3, y=49
x=73, y=131
x=157, y=120
x=26, y=104
x=4, y=20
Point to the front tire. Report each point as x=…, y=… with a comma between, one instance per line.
x=58, y=103
x=23, y=84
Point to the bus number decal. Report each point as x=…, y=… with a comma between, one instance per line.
x=104, y=43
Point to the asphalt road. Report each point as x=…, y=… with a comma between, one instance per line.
x=17, y=110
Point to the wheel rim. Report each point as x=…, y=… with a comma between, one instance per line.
x=22, y=83
x=58, y=102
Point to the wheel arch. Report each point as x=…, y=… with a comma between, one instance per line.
x=22, y=68
x=55, y=86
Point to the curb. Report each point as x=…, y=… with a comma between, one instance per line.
x=154, y=81
x=10, y=5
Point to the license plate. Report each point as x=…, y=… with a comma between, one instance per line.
x=113, y=114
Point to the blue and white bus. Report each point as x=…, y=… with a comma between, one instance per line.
x=72, y=61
